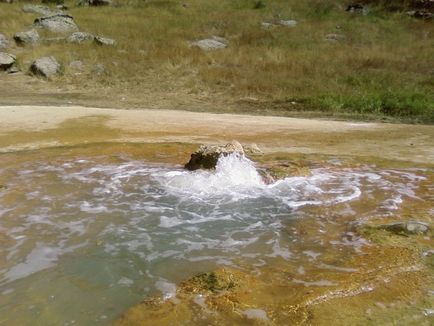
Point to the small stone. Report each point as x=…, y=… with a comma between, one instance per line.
x=288, y=23
x=77, y=65
x=29, y=37
x=99, y=69
x=334, y=37
x=45, y=67
x=4, y=42
x=13, y=70
x=209, y=44
x=266, y=25
x=420, y=14
x=7, y=60
x=80, y=37
x=104, y=41
x=356, y=8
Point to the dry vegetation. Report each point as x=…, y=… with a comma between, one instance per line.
x=383, y=65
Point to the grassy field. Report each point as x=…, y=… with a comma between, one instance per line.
x=381, y=65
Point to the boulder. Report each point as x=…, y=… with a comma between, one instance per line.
x=45, y=67
x=80, y=37
x=58, y=23
x=29, y=37
x=6, y=61
x=209, y=44
x=38, y=9
x=104, y=41
x=4, y=43
x=206, y=156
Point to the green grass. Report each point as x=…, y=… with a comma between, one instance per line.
x=383, y=65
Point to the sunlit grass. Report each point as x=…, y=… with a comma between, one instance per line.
x=383, y=64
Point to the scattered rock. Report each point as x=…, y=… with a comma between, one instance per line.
x=80, y=37
x=45, y=67
x=252, y=149
x=420, y=14
x=406, y=228
x=100, y=2
x=58, y=23
x=206, y=156
x=77, y=65
x=51, y=40
x=13, y=70
x=29, y=37
x=210, y=44
x=38, y=9
x=104, y=41
x=4, y=43
x=288, y=23
x=357, y=8
x=62, y=7
x=7, y=60
x=266, y=25
x=99, y=69
x=95, y=3
x=333, y=37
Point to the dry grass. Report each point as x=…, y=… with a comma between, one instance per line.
x=383, y=65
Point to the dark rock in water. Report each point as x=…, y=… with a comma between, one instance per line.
x=58, y=23
x=206, y=156
x=406, y=228
x=6, y=61
x=4, y=43
x=45, y=67
x=25, y=38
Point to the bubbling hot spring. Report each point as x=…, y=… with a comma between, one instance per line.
x=106, y=235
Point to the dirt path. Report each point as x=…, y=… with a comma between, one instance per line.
x=24, y=127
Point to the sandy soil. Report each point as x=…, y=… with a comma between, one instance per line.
x=414, y=143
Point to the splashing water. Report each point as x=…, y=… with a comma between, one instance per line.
x=96, y=230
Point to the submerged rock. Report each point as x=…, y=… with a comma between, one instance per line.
x=206, y=156
x=406, y=228
x=58, y=23
x=45, y=67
